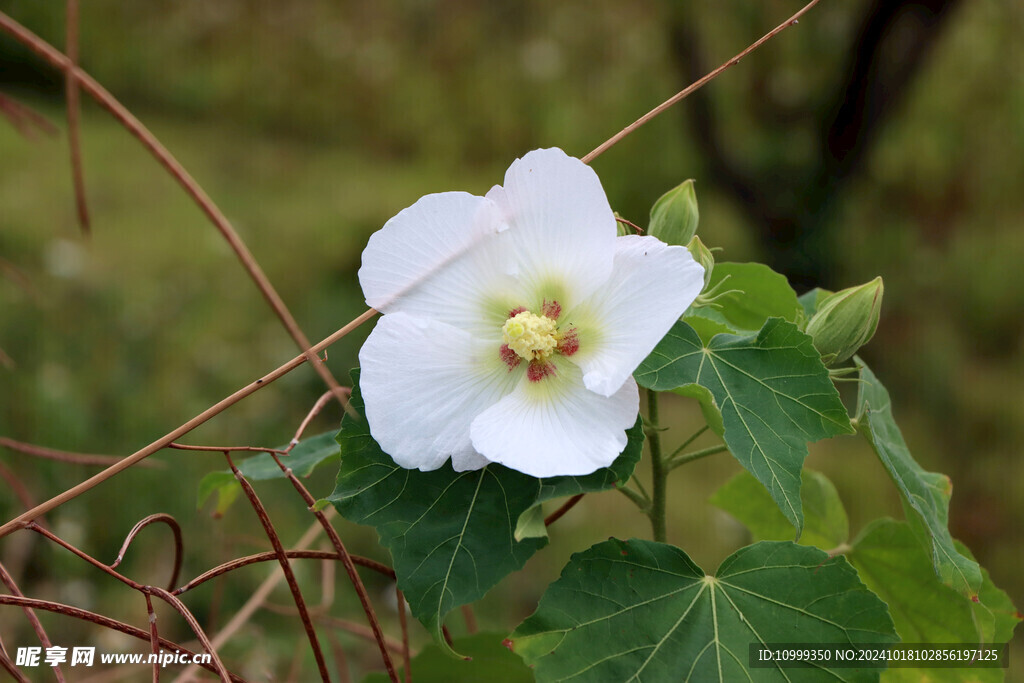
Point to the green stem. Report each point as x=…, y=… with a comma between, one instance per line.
x=673, y=463
x=688, y=442
x=659, y=473
x=641, y=501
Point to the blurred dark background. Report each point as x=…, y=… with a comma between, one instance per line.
x=875, y=138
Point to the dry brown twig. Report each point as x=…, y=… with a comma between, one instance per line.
x=24, y=119
x=74, y=114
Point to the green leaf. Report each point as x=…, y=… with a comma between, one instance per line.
x=809, y=300
x=224, y=485
x=925, y=495
x=774, y=394
x=451, y=534
x=643, y=611
x=489, y=661
x=893, y=564
x=825, y=522
x=303, y=459
x=762, y=294
x=707, y=321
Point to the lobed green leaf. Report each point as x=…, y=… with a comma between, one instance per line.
x=643, y=611
x=774, y=395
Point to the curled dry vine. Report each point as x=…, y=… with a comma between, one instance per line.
x=23, y=118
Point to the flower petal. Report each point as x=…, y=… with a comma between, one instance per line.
x=621, y=323
x=555, y=426
x=562, y=230
x=442, y=258
x=423, y=382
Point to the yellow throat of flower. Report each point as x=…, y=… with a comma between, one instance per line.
x=531, y=336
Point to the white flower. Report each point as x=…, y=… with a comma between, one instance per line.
x=513, y=323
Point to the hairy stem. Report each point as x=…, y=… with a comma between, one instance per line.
x=673, y=463
x=640, y=501
x=656, y=511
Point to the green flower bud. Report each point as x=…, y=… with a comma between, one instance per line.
x=674, y=216
x=846, y=321
x=702, y=255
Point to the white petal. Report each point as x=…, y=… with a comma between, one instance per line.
x=442, y=258
x=561, y=226
x=621, y=323
x=423, y=382
x=556, y=427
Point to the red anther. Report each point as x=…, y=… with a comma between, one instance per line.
x=516, y=311
x=539, y=369
x=551, y=309
x=509, y=357
x=570, y=342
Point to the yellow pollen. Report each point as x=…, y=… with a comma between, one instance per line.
x=531, y=336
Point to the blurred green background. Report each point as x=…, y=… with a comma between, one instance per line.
x=875, y=138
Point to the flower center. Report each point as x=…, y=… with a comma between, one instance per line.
x=531, y=336
x=534, y=338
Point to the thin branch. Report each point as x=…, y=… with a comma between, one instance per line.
x=23, y=118
x=346, y=560
x=289, y=575
x=61, y=61
x=161, y=518
x=210, y=412
x=693, y=437
x=696, y=455
x=154, y=638
x=6, y=360
x=66, y=456
x=631, y=224
x=33, y=620
x=404, y=622
x=15, y=274
x=194, y=625
x=568, y=505
x=697, y=85
x=470, y=618
x=271, y=555
x=74, y=113
x=640, y=501
x=106, y=569
x=340, y=658
x=19, y=488
x=258, y=597
x=313, y=412
x=99, y=619
x=225, y=449
x=7, y=664
x=355, y=629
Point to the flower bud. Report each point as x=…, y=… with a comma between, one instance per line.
x=674, y=216
x=702, y=255
x=846, y=321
